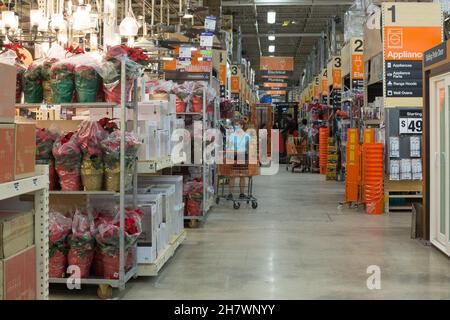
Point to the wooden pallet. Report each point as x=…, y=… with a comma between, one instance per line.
x=154, y=268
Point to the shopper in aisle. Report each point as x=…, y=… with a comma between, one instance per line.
x=238, y=143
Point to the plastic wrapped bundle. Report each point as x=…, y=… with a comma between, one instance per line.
x=111, y=151
x=67, y=162
x=59, y=228
x=89, y=138
x=82, y=243
x=62, y=82
x=32, y=84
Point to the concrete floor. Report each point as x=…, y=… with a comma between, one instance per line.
x=296, y=245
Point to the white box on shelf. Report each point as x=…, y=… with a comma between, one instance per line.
x=146, y=254
x=164, y=142
x=172, y=104
x=179, y=219
x=146, y=199
x=148, y=135
x=177, y=181
x=167, y=192
x=165, y=122
x=153, y=110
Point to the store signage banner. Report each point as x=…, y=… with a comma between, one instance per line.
x=274, y=77
x=276, y=80
x=276, y=63
x=276, y=92
x=276, y=73
x=435, y=55
x=275, y=84
x=409, y=29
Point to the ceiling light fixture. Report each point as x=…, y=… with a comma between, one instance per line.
x=271, y=17
x=271, y=48
x=271, y=37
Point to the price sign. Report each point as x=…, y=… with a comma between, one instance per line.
x=410, y=122
x=206, y=39
x=210, y=23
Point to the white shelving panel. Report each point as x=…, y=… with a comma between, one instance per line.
x=37, y=185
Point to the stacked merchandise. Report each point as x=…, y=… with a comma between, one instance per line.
x=164, y=220
x=353, y=167
x=17, y=151
x=374, y=178
x=91, y=242
x=332, y=160
x=67, y=76
x=88, y=159
x=323, y=149
x=189, y=94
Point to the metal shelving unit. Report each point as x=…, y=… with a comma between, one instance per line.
x=37, y=185
x=105, y=285
x=208, y=171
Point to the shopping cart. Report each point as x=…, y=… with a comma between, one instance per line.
x=236, y=172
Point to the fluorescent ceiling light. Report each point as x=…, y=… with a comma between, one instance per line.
x=271, y=38
x=271, y=17
x=271, y=48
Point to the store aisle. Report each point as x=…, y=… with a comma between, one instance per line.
x=296, y=245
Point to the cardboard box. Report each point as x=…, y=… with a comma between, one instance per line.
x=16, y=232
x=18, y=274
x=25, y=150
x=7, y=93
x=7, y=152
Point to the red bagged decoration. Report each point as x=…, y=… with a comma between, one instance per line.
x=82, y=242
x=67, y=162
x=113, y=92
x=111, y=264
x=57, y=265
x=82, y=259
x=59, y=229
x=197, y=104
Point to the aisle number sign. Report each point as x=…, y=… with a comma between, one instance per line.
x=235, y=80
x=409, y=29
x=357, y=64
x=334, y=72
x=316, y=88
x=324, y=82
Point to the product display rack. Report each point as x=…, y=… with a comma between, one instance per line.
x=37, y=185
x=106, y=285
x=208, y=170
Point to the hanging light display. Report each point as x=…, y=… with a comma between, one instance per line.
x=128, y=27
x=36, y=16
x=57, y=22
x=10, y=21
x=81, y=19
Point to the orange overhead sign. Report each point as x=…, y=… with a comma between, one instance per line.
x=276, y=92
x=266, y=76
x=275, y=84
x=277, y=63
x=409, y=43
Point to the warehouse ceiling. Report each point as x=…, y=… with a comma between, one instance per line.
x=298, y=26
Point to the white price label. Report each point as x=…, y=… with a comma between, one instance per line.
x=210, y=23
x=206, y=40
x=185, y=52
x=410, y=125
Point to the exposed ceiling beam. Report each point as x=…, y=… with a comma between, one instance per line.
x=285, y=35
x=238, y=3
